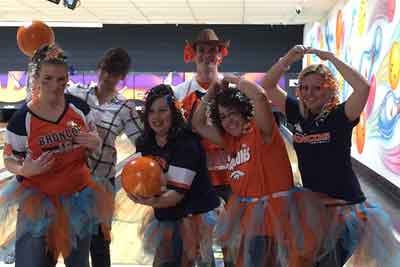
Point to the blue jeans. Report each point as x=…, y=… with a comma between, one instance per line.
x=31, y=252
x=169, y=253
x=99, y=246
x=100, y=250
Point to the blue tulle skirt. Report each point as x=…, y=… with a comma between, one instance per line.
x=61, y=220
x=297, y=229
x=362, y=235
x=182, y=242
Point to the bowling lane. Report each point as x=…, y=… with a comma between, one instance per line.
x=126, y=247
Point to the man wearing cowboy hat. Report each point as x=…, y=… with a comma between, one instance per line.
x=207, y=52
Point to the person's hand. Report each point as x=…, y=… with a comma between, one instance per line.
x=241, y=84
x=324, y=55
x=214, y=88
x=212, y=91
x=149, y=201
x=90, y=140
x=231, y=78
x=42, y=164
x=295, y=54
x=221, y=208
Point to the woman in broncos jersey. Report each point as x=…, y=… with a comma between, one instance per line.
x=259, y=225
x=46, y=146
x=322, y=140
x=179, y=230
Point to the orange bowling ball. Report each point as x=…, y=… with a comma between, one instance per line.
x=32, y=36
x=143, y=177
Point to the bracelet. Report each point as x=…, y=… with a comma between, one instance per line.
x=205, y=102
x=282, y=65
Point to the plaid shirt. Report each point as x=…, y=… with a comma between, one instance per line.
x=113, y=118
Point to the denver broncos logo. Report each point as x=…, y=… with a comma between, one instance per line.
x=236, y=175
x=318, y=138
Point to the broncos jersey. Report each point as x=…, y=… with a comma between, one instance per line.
x=29, y=135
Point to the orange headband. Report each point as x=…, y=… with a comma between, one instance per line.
x=189, y=53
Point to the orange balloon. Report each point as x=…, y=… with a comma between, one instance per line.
x=143, y=177
x=31, y=37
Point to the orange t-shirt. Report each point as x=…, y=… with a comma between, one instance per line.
x=255, y=168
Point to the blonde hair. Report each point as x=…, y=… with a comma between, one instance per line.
x=330, y=83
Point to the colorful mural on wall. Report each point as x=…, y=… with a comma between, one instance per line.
x=366, y=34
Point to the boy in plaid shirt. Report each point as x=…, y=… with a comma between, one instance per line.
x=114, y=115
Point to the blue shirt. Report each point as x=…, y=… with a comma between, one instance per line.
x=185, y=167
x=323, y=149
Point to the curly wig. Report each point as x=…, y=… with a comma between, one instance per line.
x=231, y=98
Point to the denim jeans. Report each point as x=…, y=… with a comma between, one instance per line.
x=100, y=250
x=99, y=246
x=170, y=251
x=31, y=252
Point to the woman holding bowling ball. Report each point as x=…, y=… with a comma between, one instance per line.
x=179, y=230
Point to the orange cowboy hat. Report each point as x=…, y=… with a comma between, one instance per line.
x=208, y=36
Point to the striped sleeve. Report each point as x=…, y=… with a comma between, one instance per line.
x=180, y=177
x=184, y=163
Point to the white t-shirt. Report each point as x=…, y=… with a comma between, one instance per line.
x=187, y=87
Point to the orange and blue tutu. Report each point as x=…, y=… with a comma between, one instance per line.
x=298, y=228
x=362, y=234
x=187, y=240
x=280, y=229
x=61, y=220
